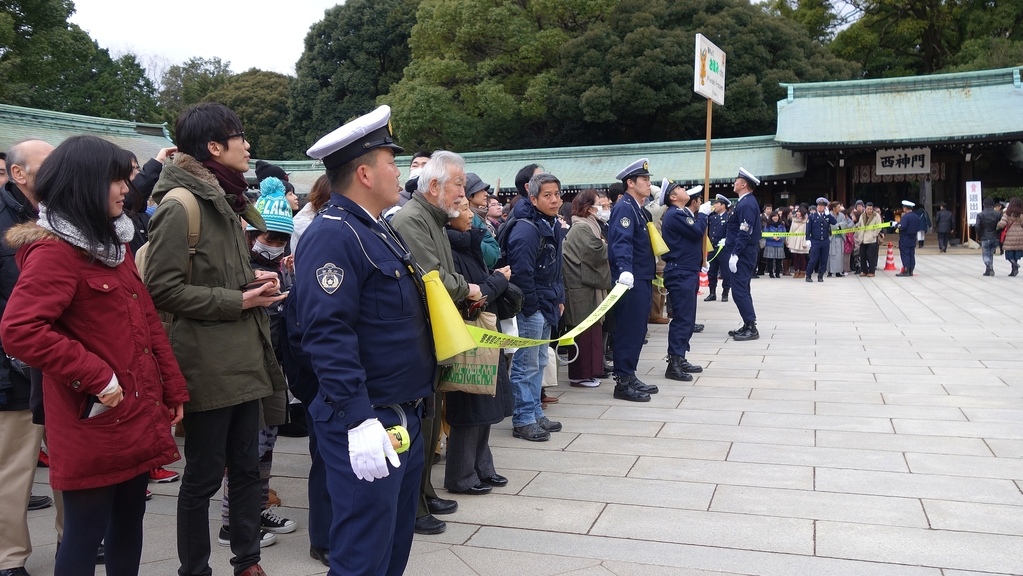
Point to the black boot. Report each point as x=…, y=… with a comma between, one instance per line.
x=737, y=330
x=712, y=297
x=750, y=333
x=989, y=271
x=675, y=371
x=724, y=295
x=623, y=390
x=909, y=272
x=1015, y=269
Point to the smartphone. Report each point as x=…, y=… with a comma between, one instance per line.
x=257, y=283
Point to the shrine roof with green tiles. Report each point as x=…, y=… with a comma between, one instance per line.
x=17, y=123
x=917, y=110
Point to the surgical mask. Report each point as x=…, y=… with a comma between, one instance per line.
x=603, y=214
x=270, y=252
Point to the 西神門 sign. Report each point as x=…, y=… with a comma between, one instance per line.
x=903, y=161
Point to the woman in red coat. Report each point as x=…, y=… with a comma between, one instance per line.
x=111, y=386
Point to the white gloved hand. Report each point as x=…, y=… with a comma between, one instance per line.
x=627, y=279
x=721, y=243
x=733, y=263
x=807, y=244
x=706, y=208
x=368, y=445
x=705, y=269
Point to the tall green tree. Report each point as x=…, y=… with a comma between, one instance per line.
x=820, y=18
x=189, y=83
x=351, y=57
x=260, y=99
x=492, y=74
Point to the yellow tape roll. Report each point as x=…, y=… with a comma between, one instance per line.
x=450, y=336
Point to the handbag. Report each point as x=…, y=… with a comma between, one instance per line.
x=509, y=303
x=1001, y=237
x=473, y=371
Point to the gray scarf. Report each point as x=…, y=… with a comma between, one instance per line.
x=109, y=254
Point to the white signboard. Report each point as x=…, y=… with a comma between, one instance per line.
x=903, y=161
x=974, y=198
x=709, y=75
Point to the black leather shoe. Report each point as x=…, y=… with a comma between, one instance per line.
x=809, y=278
x=724, y=296
x=750, y=333
x=441, y=506
x=321, y=554
x=691, y=368
x=496, y=480
x=711, y=298
x=38, y=503
x=430, y=525
x=697, y=327
x=638, y=384
x=478, y=490
x=820, y=278
x=14, y=572
x=631, y=394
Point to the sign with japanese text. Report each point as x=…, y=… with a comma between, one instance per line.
x=903, y=161
x=974, y=200
x=709, y=74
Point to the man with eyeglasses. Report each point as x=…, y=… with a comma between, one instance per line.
x=220, y=335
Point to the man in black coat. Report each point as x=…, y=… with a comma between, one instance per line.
x=943, y=226
x=987, y=235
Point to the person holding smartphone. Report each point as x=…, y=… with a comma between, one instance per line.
x=112, y=388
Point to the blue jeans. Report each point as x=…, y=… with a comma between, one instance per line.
x=527, y=370
x=987, y=251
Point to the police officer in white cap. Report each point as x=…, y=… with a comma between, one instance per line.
x=908, y=226
x=742, y=240
x=357, y=320
x=818, y=239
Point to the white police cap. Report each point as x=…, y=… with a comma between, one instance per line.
x=640, y=167
x=667, y=186
x=822, y=200
x=723, y=199
x=362, y=135
x=908, y=204
x=747, y=176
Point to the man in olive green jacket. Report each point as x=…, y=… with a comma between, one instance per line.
x=220, y=334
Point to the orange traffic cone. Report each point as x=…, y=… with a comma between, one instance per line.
x=889, y=261
x=704, y=283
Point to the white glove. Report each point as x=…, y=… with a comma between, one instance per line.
x=733, y=263
x=705, y=269
x=721, y=243
x=368, y=445
x=626, y=279
x=807, y=243
x=705, y=208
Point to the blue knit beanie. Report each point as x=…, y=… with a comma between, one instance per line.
x=274, y=207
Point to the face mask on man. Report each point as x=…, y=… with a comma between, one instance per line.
x=603, y=214
x=268, y=252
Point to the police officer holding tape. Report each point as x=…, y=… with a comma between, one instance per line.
x=742, y=239
x=357, y=316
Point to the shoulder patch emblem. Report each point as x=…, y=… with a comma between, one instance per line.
x=689, y=220
x=625, y=222
x=330, y=277
x=744, y=226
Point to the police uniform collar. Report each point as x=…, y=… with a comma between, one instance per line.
x=352, y=207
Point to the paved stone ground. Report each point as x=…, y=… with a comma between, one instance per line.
x=876, y=428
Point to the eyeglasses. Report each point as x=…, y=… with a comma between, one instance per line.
x=235, y=135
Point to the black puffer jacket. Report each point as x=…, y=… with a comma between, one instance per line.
x=15, y=388
x=479, y=409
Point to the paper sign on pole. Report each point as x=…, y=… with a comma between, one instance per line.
x=974, y=197
x=709, y=74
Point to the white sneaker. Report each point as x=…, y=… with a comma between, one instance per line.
x=271, y=522
x=585, y=383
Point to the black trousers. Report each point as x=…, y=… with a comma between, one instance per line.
x=868, y=258
x=431, y=440
x=214, y=440
x=111, y=514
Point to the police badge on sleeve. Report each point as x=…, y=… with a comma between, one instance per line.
x=744, y=226
x=330, y=277
x=625, y=222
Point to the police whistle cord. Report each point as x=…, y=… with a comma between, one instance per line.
x=833, y=232
x=489, y=339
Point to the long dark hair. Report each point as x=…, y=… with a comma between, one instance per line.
x=74, y=183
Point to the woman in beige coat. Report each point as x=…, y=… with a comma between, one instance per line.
x=797, y=243
x=1013, y=244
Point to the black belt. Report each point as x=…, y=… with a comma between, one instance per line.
x=410, y=404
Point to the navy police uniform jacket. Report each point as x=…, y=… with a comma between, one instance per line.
x=357, y=314
x=716, y=224
x=818, y=226
x=534, y=254
x=683, y=233
x=628, y=242
x=909, y=225
x=743, y=227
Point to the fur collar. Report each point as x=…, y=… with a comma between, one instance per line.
x=195, y=168
x=27, y=233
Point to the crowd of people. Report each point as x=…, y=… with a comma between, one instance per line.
x=236, y=317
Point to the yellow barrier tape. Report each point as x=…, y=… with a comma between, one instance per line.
x=766, y=234
x=489, y=339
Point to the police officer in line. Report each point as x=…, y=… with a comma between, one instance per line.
x=357, y=319
x=818, y=239
x=742, y=239
x=908, y=226
x=716, y=222
x=683, y=233
x=632, y=264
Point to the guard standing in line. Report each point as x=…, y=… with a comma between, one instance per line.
x=683, y=233
x=908, y=226
x=632, y=263
x=818, y=239
x=716, y=222
x=743, y=239
x=357, y=316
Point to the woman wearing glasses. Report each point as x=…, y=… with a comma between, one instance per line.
x=111, y=386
